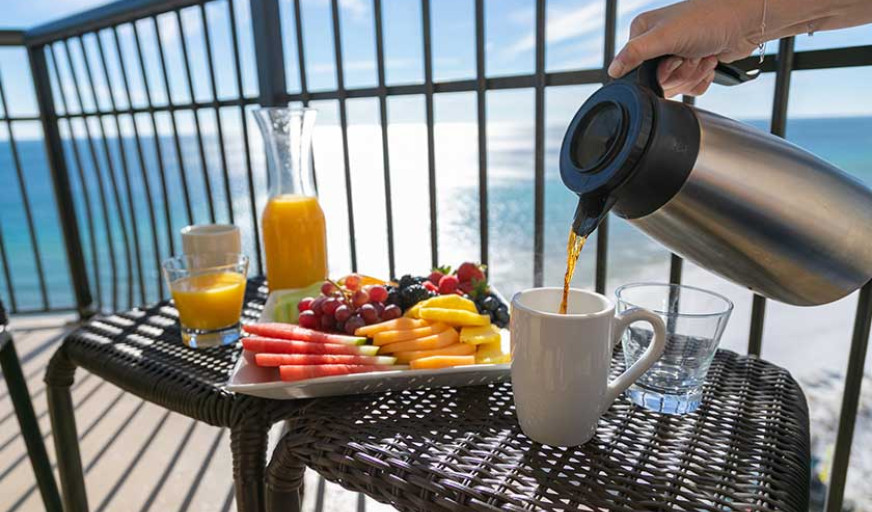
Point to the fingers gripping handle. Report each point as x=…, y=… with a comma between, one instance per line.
x=725, y=74
x=651, y=355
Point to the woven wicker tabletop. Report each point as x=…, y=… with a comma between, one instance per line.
x=746, y=448
x=141, y=351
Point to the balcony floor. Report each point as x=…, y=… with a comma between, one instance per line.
x=136, y=455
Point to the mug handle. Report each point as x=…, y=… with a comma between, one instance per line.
x=651, y=355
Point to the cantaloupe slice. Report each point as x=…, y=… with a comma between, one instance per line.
x=433, y=362
x=454, y=317
x=434, y=341
x=391, y=325
x=385, y=337
x=458, y=349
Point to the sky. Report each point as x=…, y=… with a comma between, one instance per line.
x=574, y=41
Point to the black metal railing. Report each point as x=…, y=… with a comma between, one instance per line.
x=127, y=184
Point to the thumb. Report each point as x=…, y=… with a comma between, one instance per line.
x=639, y=49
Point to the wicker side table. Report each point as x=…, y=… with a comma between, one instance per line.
x=746, y=448
x=141, y=351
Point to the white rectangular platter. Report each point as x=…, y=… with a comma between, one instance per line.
x=250, y=379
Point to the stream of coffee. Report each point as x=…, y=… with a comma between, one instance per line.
x=573, y=249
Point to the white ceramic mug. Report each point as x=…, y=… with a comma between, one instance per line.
x=201, y=239
x=560, y=363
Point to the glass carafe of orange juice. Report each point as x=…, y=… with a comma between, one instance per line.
x=294, y=233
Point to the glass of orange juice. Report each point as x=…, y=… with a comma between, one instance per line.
x=208, y=296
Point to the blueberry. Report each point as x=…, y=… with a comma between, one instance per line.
x=501, y=316
x=489, y=303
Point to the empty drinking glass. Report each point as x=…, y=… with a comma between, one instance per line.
x=695, y=320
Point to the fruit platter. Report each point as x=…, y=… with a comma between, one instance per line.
x=359, y=334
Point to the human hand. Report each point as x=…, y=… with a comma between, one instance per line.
x=697, y=34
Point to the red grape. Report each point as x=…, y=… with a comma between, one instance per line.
x=305, y=304
x=309, y=320
x=340, y=327
x=378, y=294
x=329, y=307
x=327, y=323
x=359, y=298
x=354, y=323
x=352, y=282
x=391, y=311
x=368, y=313
x=328, y=288
x=342, y=313
x=317, y=304
x=379, y=307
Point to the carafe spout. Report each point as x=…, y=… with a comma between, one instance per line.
x=589, y=213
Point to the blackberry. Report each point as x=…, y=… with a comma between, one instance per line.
x=413, y=294
x=406, y=281
x=393, y=296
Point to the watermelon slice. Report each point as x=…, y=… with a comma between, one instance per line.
x=294, y=372
x=265, y=359
x=295, y=332
x=277, y=346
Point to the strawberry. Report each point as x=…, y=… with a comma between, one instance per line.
x=435, y=277
x=430, y=286
x=448, y=284
x=468, y=272
x=466, y=286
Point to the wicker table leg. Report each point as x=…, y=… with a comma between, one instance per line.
x=248, y=442
x=58, y=378
x=284, y=478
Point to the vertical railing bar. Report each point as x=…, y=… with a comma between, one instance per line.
x=101, y=193
x=142, y=167
x=211, y=67
x=301, y=56
x=481, y=122
x=124, y=233
x=539, y=151
x=343, y=123
x=176, y=141
x=25, y=199
x=60, y=176
x=850, y=399
x=383, y=120
x=239, y=87
x=122, y=152
x=162, y=175
x=86, y=199
x=7, y=274
x=602, y=235
x=431, y=138
x=190, y=82
x=778, y=125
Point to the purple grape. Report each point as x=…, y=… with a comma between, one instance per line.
x=317, y=304
x=327, y=323
x=379, y=307
x=342, y=313
x=329, y=306
x=305, y=304
x=354, y=323
x=309, y=320
x=392, y=311
x=368, y=313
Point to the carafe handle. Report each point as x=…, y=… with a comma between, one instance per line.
x=725, y=74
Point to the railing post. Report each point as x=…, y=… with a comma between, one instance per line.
x=61, y=179
x=269, y=57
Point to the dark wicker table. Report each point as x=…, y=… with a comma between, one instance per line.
x=141, y=351
x=746, y=448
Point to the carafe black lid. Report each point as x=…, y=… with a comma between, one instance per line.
x=607, y=138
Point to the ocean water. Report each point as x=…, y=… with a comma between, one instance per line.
x=811, y=343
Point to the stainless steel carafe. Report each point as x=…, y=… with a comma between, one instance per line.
x=738, y=201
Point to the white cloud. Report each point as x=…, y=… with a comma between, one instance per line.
x=565, y=24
